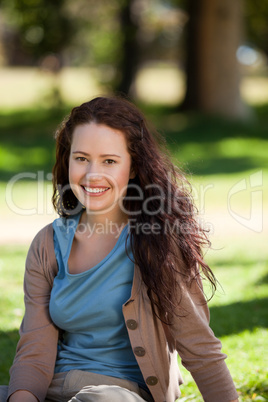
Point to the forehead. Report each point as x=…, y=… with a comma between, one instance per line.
x=98, y=136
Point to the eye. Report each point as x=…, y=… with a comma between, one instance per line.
x=80, y=158
x=109, y=161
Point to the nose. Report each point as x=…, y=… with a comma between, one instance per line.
x=93, y=173
x=93, y=177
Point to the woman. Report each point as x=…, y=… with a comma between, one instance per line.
x=113, y=287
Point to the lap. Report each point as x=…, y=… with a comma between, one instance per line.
x=77, y=385
x=3, y=393
x=106, y=393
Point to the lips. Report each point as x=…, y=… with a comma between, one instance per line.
x=95, y=190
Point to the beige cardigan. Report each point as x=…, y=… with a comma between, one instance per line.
x=155, y=346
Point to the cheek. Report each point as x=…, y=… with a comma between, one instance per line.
x=74, y=174
x=122, y=181
x=71, y=172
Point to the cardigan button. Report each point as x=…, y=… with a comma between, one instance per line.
x=132, y=324
x=151, y=380
x=139, y=351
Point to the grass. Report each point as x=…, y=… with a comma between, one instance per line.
x=11, y=304
x=24, y=87
x=202, y=145
x=238, y=317
x=27, y=143
x=219, y=156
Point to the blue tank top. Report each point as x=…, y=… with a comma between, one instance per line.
x=88, y=308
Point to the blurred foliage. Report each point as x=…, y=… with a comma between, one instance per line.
x=256, y=26
x=117, y=36
x=44, y=27
x=90, y=32
x=255, y=21
x=97, y=36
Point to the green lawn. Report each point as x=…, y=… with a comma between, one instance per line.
x=238, y=317
x=227, y=163
x=11, y=304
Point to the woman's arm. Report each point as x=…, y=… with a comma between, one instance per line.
x=23, y=396
x=33, y=366
x=199, y=349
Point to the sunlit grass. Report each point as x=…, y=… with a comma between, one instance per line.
x=247, y=363
x=227, y=165
x=252, y=151
x=31, y=87
x=238, y=317
x=12, y=260
x=29, y=195
x=25, y=87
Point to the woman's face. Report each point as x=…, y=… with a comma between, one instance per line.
x=99, y=168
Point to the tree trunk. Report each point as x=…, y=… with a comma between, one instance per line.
x=214, y=33
x=128, y=63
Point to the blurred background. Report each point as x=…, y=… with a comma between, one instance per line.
x=198, y=69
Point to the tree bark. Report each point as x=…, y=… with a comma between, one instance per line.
x=215, y=31
x=128, y=63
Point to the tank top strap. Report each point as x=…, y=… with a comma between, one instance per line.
x=64, y=231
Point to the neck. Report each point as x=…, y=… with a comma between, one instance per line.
x=107, y=223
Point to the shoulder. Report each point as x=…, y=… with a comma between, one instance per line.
x=42, y=242
x=41, y=254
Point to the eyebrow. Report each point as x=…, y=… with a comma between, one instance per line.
x=102, y=156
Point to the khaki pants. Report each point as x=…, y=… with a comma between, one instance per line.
x=81, y=386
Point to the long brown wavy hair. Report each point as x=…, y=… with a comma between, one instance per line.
x=175, y=240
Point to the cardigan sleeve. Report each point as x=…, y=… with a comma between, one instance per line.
x=33, y=366
x=199, y=349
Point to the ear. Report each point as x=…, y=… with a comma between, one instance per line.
x=132, y=173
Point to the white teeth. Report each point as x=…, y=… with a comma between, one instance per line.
x=95, y=190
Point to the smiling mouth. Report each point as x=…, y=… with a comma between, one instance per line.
x=95, y=190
